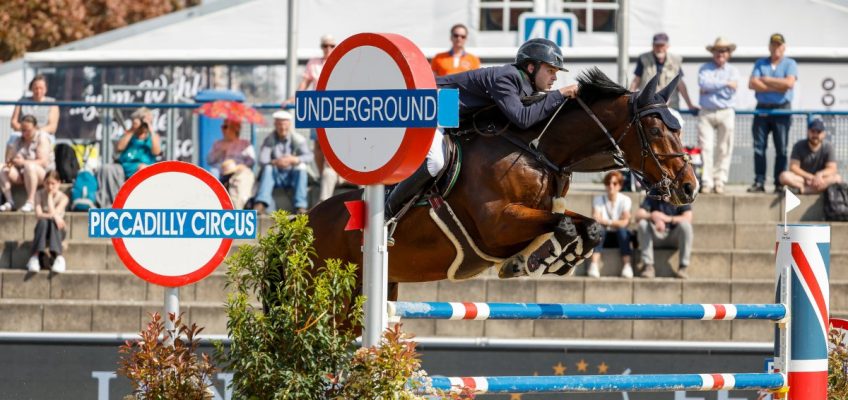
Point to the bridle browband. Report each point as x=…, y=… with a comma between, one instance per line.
x=660, y=190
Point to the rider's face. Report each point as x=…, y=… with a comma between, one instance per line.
x=545, y=77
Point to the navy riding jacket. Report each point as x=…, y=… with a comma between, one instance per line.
x=504, y=86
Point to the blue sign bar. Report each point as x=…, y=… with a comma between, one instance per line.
x=390, y=108
x=178, y=223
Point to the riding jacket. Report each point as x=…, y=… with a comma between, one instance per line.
x=503, y=86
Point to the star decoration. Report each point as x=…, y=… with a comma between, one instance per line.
x=582, y=366
x=602, y=368
x=559, y=369
x=515, y=396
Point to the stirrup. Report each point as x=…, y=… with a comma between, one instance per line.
x=391, y=224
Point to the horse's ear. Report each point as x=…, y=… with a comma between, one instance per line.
x=647, y=94
x=667, y=91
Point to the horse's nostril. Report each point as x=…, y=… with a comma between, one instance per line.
x=688, y=188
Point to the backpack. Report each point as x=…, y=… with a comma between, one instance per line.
x=83, y=192
x=67, y=164
x=836, y=202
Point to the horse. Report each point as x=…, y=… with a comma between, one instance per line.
x=509, y=195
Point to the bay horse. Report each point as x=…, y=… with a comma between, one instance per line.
x=509, y=194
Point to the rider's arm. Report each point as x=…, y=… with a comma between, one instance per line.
x=505, y=94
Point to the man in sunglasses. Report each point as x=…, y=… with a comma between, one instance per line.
x=456, y=59
x=534, y=71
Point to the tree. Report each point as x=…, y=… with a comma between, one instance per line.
x=39, y=25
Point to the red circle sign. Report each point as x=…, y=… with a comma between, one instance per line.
x=376, y=61
x=172, y=185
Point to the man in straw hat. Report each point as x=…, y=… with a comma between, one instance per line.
x=718, y=81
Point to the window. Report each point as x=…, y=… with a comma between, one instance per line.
x=502, y=15
x=592, y=15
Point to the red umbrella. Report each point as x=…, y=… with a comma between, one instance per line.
x=231, y=110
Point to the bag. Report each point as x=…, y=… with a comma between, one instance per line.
x=83, y=192
x=88, y=155
x=67, y=164
x=836, y=202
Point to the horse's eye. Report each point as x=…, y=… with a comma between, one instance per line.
x=656, y=131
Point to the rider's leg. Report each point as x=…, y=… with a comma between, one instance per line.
x=418, y=180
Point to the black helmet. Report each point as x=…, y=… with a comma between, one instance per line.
x=540, y=50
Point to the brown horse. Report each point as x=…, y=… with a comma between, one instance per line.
x=509, y=194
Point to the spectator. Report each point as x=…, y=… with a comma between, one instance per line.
x=812, y=164
x=667, y=65
x=613, y=212
x=772, y=79
x=456, y=59
x=48, y=116
x=329, y=178
x=718, y=81
x=231, y=160
x=283, y=157
x=50, y=204
x=139, y=146
x=28, y=158
x=664, y=225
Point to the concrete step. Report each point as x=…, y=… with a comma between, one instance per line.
x=42, y=315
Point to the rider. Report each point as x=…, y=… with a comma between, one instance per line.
x=534, y=70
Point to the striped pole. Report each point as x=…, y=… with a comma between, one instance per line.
x=483, y=311
x=612, y=383
x=806, y=248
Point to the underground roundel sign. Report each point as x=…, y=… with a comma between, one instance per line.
x=172, y=223
x=375, y=108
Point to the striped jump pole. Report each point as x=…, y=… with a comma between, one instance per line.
x=484, y=311
x=612, y=383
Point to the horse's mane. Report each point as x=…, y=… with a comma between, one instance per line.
x=595, y=85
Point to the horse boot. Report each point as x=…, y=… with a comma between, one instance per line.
x=405, y=192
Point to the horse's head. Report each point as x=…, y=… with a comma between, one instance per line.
x=652, y=147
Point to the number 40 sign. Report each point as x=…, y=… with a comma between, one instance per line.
x=559, y=28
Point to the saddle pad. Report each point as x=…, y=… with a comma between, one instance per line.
x=466, y=265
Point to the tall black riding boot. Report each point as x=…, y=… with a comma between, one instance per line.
x=406, y=189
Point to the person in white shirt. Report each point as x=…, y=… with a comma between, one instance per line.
x=612, y=211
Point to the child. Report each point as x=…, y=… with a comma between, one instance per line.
x=50, y=204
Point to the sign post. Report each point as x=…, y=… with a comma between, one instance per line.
x=172, y=223
x=376, y=108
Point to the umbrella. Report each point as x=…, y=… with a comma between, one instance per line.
x=230, y=110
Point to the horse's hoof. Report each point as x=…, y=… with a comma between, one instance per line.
x=565, y=229
x=593, y=234
x=513, y=267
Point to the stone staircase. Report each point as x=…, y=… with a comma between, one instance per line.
x=732, y=263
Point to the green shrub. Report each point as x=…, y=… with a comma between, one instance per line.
x=837, y=365
x=158, y=371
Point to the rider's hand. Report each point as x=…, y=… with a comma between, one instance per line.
x=569, y=91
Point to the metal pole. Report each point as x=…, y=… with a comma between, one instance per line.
x=291, y=61
x=172, y=306
x=374, y=275
x=623, y=34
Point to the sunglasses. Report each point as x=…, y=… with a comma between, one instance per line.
x=719, y=51
x=613, y=183
x=456, y=35
x=327, y=46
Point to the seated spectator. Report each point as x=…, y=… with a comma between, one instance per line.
x=812, y=163
x=238, y=179
x=139, y=146
x=283, y=157
x=47, y=116
x=613, y=212
x=50, y=204
x=664, y=225
x=28, y=158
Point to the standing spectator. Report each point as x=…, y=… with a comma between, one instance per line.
x=231, y=160
x=329, y=177
x=613, y=212
x=667, y=65
x=283, y=157
x=28, y=158
x=664, y=225
x=50, y=204
x=772, y=79
x=718, y=81
x=456, y=59
x=48, y=116
x=139, y=146
x=812, y=164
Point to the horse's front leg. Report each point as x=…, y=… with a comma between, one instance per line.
x=574, y=249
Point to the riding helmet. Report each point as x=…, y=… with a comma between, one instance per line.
x=540, y=50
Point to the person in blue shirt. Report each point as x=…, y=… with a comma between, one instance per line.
x=773, y=79
x=718, y=81
x=534, y=70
